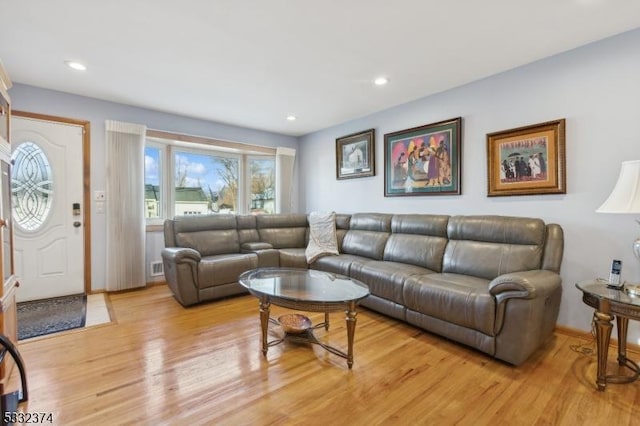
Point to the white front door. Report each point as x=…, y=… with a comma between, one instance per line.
x=47, y=183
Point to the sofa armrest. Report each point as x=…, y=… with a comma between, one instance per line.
x=267, y=255
x=181, y=254
x=525, y=284
x=527, y=308
x=181, y=273
x=254, y=246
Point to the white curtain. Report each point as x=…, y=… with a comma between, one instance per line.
x=125, y=205
x=285, y=159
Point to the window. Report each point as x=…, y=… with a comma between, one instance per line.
x=152, y=183
x=201, y=177
x=31, y=186
x=205, y=183
x=262, y=177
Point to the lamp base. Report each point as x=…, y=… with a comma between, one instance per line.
x=632, y=290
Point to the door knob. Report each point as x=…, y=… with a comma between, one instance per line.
x=77, y=224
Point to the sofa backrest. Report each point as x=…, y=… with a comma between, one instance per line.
x=553, y=248
x=283, y=230
x=169, y=234
x=207, y=234
x=489, y=246
x=417, y=239
x=367, y=235
x=247, y=232
x=342, y=226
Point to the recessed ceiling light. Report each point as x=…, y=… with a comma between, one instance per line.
x=291, y=117
x=380, y=81
x=76, y=65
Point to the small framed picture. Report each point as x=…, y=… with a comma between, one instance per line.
x=423, y=160
x=527, y=160
x=355, y=155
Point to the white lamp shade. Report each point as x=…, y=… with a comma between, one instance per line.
x=625, y=197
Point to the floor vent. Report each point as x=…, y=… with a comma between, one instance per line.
x=157, y=269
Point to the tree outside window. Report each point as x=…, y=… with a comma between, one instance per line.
x=263, y=183
x=205, y=184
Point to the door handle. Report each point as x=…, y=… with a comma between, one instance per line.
x=77, y=224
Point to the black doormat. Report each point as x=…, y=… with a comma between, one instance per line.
x=40, y=317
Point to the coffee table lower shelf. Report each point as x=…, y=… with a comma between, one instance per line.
x=307, y=335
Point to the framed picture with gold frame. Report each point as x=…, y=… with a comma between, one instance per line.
x=527, y=160
x=355, y=155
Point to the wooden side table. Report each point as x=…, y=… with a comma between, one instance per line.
x=610, y=303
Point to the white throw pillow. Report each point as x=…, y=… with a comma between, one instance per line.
x=322, y=236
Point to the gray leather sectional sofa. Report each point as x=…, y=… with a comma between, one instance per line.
x=489, y=282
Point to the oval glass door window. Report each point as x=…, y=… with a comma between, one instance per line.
x=31, y=186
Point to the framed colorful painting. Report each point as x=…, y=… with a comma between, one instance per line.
x=355, y=155
x=423, y=160
x=528, y=160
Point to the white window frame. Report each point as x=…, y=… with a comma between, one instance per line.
x=169, y=143
x=162, y=181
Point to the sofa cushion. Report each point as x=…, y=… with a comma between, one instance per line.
x=489, y=246
x=247, y=231
x=497, y=229
x=553, y=248
x=224, y=268
x=385, y=278
x=293, y=258
x=459, y=299
x=379, y=222
x=340, y=264
x=418, y=250
x=342, y=226
x=420, y=224
x=417, y=240
x=367, y=235
x=283, y=231
x=322, y=236
x=207, y=234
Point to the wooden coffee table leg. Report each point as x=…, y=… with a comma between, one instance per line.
x=265, y=308
x=351, y=329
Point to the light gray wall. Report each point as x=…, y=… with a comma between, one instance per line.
x=37, y=100
x=596, y=88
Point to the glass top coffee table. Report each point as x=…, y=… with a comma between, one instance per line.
x=304, y=290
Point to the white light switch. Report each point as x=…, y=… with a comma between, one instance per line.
x=99, y=195
x=100, y=207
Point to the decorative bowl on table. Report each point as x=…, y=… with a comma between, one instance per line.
x=294, y=323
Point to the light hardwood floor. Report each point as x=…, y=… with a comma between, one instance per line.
x=159, y=363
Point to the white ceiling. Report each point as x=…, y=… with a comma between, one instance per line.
x=253, y=62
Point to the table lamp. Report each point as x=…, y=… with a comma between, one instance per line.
x=625, y=197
